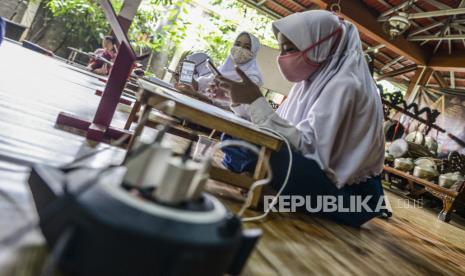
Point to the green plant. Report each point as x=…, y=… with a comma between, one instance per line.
x=217, y=38
x=252, y=21
x=155, y=25
x=83, y=21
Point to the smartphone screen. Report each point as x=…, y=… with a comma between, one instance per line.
x=187, y=72
x=212, y=68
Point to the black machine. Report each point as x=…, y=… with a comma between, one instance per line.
x=96, y=225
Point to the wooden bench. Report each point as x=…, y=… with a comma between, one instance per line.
x=449, y=197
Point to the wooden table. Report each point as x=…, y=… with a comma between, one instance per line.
x=209, y=116
x=449, y=197
x=74, y=52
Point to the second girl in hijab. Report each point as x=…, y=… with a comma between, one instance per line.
x=244, y=55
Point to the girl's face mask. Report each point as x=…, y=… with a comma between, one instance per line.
x=297, y=66
x=241, y=55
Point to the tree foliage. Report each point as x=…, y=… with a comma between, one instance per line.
x=217, y=38
x=155, y=25
x=85, y=23
x=161, y=25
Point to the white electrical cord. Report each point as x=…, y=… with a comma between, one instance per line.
x=256, y=184
x=283, y=186
x=260, y=182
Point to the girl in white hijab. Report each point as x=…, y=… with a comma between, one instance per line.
x=332, y=118
x=243, y=55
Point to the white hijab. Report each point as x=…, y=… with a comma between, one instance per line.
x=337, y=110
x=251, y=68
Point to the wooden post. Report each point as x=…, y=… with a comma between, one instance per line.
x=132, y=115
x=140, y=127
x=127, y=13
x=421, y=77
x=260, y=173
x=29, y=15
x=440, y=80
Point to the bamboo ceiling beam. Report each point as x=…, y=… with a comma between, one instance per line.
x=458, y=27
x=452, y=79
x=261, y=8
x=323, y=4
x=397, y=72
x=413, y=84
x=392, y=62
x=442, y=61
x=437, y=13
x=301, y=7
x=358, y=13
x=420, y=78
x=447, y=78
x=426, y=28
x=436, y=38
x=438, y=4
x=426, y=76
x=440, y=80
x=383, y=16
x=419, y=29
x=281, y=6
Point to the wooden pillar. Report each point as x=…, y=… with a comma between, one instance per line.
x=440, y=80
x=260, y=172
x=426, y=76
x=420, y=78
x=127, y=13
x=29, y=15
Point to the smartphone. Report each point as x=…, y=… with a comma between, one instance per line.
x=187, y=72
x=212, y=68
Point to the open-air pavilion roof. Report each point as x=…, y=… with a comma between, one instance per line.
x=431, y=53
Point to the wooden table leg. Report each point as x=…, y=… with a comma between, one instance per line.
x=132, y=115
x=447, y=208
x=448, y=203
x=140, y=127
x=260, y=173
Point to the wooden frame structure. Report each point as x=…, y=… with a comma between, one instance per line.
x=435, y=39
x=151, y=95
x=100, y=127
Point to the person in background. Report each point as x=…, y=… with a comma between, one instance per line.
x=2, y=29
x=107, y=52
x=332, y=118
x=243, y=55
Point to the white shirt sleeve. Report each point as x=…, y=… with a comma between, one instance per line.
x=262, y=114
x=241, y=110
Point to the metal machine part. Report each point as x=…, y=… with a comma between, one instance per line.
x=108, y=229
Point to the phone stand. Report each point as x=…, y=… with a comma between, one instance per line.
x=100, y=127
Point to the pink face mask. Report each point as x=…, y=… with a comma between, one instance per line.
x=297, y=67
